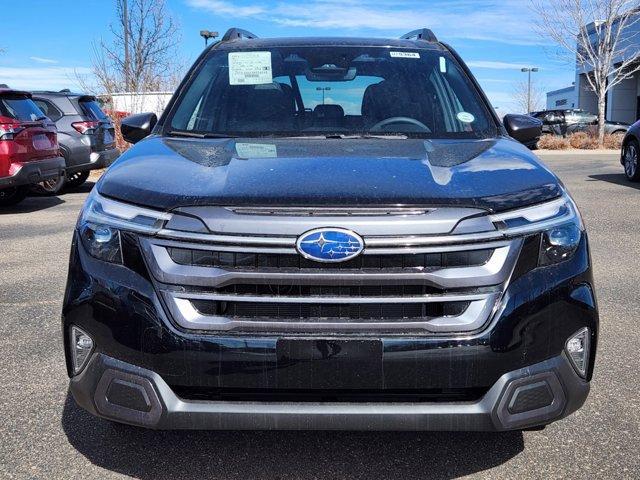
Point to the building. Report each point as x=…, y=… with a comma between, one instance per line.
x=563, y=98
x=137, y=102
x=623, y=100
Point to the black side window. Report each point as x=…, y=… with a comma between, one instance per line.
x=49, y=109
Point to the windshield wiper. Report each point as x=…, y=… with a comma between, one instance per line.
x=401, y=136
x=181, y=133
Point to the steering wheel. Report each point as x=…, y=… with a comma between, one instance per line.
x=388, y=121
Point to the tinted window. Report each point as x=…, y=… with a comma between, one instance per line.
x=20, y=108
x=92, y=109
x=48, y=109
x=346, y=90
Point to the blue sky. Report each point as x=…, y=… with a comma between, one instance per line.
x=495, y=38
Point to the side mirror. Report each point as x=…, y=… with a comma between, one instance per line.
x=523, y=128
x=136, y=127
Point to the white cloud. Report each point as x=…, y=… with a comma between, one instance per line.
x=47, y=78
x=221, y=7
x=496, y=65
x=43, y=60
x=503, y=21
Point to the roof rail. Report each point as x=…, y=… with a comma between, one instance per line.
x=236, y=34
x=420, y=34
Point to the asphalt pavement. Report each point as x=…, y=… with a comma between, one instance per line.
x=44, y=435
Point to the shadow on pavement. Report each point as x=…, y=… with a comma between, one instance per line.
x=148, y=454
x=617, y=178
x=32, y=204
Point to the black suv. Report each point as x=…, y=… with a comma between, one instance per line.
x=85, y=133
x=565, y=122
x=330, y=233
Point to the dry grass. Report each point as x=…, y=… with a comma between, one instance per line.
x=553, y=142
x=613, y=141
x=580, y=141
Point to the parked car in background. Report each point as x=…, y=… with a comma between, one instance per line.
x=565, y=122
x=28, y=146
x=85, y=133
x=630, y=151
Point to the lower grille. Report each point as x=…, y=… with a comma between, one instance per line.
x=320, y=312
x=350, y=396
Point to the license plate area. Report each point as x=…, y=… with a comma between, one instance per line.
x=331, y=364
x=41, y=142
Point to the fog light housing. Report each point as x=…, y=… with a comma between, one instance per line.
x=81, y=348
x=577, y=348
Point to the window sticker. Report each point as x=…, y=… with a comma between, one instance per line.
x=250, y=68
x=405, y=54
x=256, y=150
x=465, y=117
x=443, y=65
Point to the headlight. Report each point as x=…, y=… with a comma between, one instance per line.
x=102, y=219
x=559, y=243
x=558, y=221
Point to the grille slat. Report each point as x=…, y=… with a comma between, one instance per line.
x=246, y=261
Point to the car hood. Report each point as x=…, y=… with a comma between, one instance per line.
x=167, y=173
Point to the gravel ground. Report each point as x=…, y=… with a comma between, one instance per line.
x=44, y=435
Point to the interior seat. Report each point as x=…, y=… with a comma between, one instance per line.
x=269, y=107
x=328, y=116
x=387, y=99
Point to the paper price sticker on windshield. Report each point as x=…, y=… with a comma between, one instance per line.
x=405, y=54
x=256, y=150
x=250, y=68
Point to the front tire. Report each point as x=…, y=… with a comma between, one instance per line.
x=630, y=161
x=13, y=195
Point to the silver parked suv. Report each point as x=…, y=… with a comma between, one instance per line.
x=85, y=133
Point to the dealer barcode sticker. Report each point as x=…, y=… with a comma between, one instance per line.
x=405, y=54
x=250, y=68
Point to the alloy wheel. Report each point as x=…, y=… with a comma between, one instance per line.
x=631, y=160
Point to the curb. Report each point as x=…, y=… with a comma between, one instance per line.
x=575, y=151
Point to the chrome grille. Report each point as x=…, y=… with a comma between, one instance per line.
x=419, y=279
x=246, y=261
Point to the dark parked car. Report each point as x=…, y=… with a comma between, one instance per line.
x=630, y=152
x=386, y=257
x=85, y=133
x=565, y=122
x=28, y=146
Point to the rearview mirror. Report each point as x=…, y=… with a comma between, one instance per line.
x=523, y=128
x=136, y=127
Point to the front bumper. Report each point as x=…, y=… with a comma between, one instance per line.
x=97, y=160
x=175, y=378
x=34, y=172
x=522, y=398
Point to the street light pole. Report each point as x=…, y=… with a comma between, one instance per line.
x=206, y=34
x=528, y=72
x=323, y=89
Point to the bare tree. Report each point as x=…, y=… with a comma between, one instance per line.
x=141, y=55
x=525, y=103
x=597, y=35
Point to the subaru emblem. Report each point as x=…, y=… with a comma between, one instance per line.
x=329, y=245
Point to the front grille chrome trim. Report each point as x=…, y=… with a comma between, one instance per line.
x=475, y=316
x=494, y=272
x=222, y=297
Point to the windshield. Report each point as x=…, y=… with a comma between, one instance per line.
x=310, y=91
